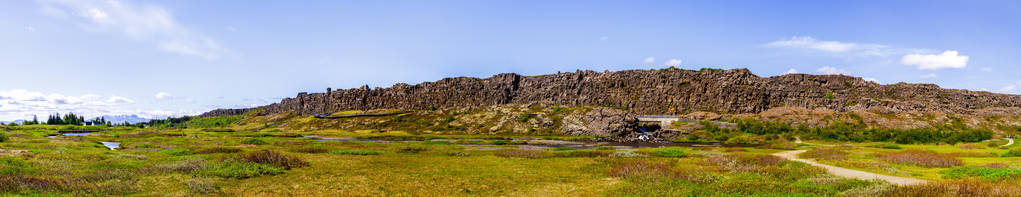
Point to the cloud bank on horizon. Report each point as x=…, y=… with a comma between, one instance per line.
x=159, y=58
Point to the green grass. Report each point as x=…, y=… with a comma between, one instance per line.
x=670, y=152
x=992, y=174
x=241, y=170
x=355, y=152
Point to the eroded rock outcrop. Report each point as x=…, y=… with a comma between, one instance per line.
x=600, y=122
x=664, y=91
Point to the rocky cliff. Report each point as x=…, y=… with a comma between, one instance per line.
x=664, y=91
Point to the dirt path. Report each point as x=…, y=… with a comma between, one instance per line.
x=1010, y=141
x=849, y=173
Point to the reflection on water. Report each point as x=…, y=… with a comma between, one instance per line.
x=112, y=145
x=75, y=134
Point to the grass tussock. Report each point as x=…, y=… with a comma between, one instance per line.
x=275, y=158
x=922, y=158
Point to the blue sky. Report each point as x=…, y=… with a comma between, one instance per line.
x=160, y=58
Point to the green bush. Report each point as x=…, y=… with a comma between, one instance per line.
x=355, y=152
x=254, y=141
x=670, y=152
x=992, y=174
x=241, y=170
x=176, y=152
x=3, y=138
x=1013, y=153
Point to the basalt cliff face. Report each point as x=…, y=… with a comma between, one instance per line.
x=664, y=91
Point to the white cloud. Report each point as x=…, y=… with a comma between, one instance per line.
x=604, y=38
x=673, y=62
x=119, y=100
x=929, y=76
x=149, y=23
x=29, y=28
x=163, y=95
x=947, y=59
x=1009, y=88
x=829, y=70
x=650, y=60
x=987, y=69
x=22, y=104
x=832, y=46
x=791, y=71
x=870, y=79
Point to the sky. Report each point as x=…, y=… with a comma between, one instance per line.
x=184, y=57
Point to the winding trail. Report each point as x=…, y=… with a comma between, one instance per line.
x=1010, y=141
x=849, y=173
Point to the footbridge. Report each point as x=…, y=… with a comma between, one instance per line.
x=663, y=120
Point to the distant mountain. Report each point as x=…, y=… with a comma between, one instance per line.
x=128, y=118
x=16, y=121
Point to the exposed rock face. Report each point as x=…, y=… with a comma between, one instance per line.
x=665, y=91
x=601, y=122
x=226, y=112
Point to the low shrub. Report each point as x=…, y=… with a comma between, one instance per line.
x=176, y=152
x=992, y=174
x=1013, y=153
x=254, y=141
x=202, y=186
x=355, y=152
x=670, y=152
x=23, y=183
x=218, y=149
x=241, y=170
x=411, y=149
x=531, y=154
x=3, y=138
x=825, y=153
x=275, y=158
x=922, y=158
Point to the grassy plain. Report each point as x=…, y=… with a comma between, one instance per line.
x=272, y=162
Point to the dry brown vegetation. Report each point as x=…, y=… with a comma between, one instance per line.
x=276, y=159
x=825, y=153
x=922, y=158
